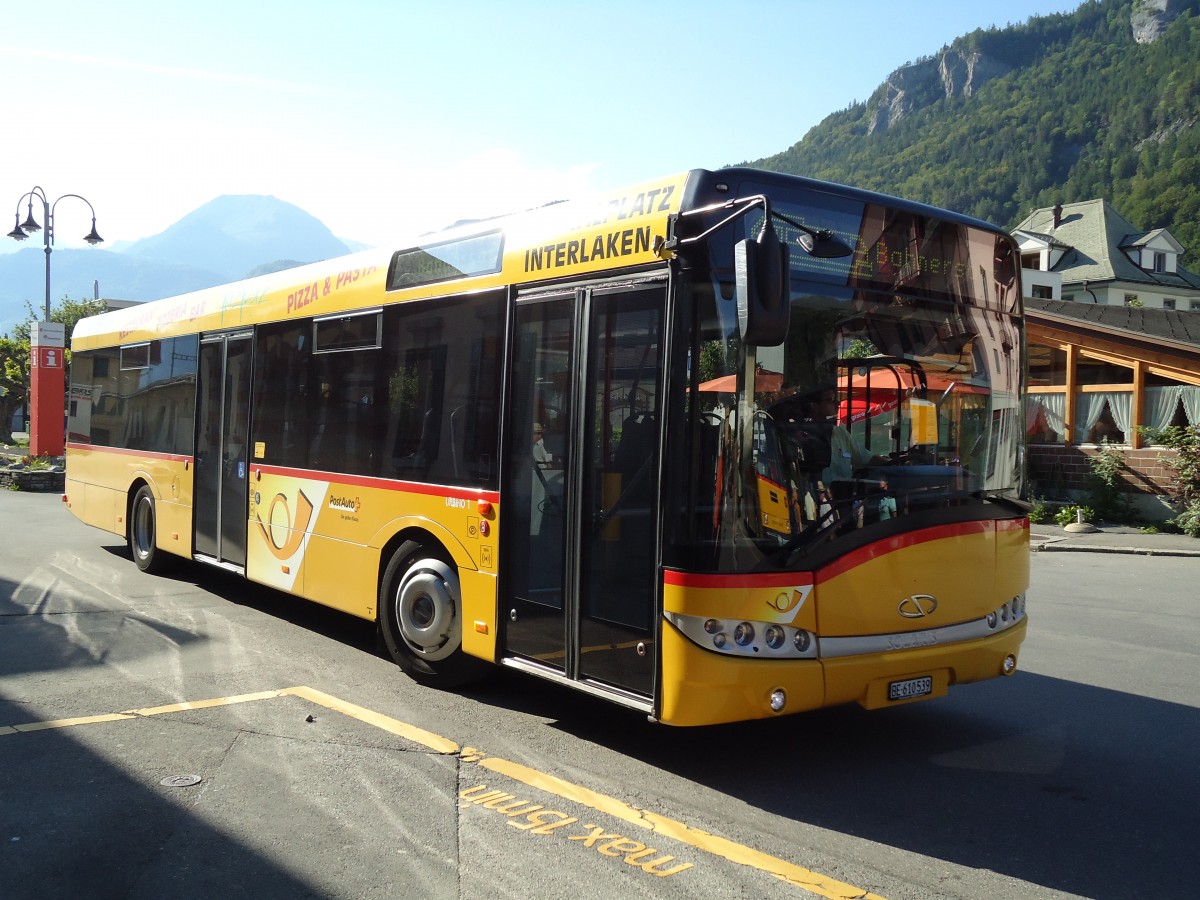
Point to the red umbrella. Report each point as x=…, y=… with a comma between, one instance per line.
x=765, y=382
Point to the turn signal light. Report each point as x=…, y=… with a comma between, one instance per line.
x=484, y=507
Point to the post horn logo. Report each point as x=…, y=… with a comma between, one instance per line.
x=295, y=529
x=790, y=601
x=918, y=606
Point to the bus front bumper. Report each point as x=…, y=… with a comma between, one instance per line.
x=700, y=687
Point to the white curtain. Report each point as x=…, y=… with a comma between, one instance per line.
x=1055, y=406
x=1032, y=406
x=1088, y=408
x=1161, y=403
x=1191, y=403
x=1120, y=404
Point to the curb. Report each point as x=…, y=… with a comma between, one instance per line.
x=1062, y=547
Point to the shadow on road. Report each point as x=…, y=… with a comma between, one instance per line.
x=72, y=824
x=1064, y=785
x=1076, y=788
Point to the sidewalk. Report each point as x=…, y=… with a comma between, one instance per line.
x=1048, y=537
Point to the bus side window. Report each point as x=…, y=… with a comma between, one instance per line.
x=283, y=404
x=439, y=383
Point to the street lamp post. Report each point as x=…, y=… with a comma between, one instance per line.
x=47, y=375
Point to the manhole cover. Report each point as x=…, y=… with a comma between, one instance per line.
x=180, y=780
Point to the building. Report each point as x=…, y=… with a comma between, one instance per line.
x=1113, y=323
x=1092, y=254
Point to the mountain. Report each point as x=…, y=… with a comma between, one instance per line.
x=229, y=238
x=234, y=234
x=1103, y=103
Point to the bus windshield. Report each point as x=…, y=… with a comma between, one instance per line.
x=894, y=402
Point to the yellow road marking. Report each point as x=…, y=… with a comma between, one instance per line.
x=685, y=834
x=434, y=742
x=204, y=704
x=66, y=723
x=693, y=837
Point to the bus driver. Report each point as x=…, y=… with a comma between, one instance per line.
x=846, y=453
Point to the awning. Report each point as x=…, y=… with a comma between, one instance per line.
x=765, y=382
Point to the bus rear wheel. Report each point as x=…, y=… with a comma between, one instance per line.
x=420, y=617
x=143, y=528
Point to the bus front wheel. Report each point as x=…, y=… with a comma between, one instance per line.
x=143, y=526
x=420, y=617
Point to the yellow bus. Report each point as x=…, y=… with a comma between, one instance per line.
x=723, y=446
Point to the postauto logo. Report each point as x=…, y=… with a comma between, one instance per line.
x=345, y=504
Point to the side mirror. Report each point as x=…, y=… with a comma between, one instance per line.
x=761, y=287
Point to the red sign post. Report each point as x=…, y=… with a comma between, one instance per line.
x=47, y=389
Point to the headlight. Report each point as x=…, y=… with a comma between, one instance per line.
x=742, y=637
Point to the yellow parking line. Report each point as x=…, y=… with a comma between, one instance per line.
x=693, y=837
x=685, y=834
x=136, y=713
x=204, y=704
x=65, y=723
x=434, y=742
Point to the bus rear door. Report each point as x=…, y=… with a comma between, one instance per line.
x=222, y=410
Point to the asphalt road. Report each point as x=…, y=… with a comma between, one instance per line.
x=321, y=771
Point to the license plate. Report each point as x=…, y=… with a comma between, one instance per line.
x=910, y=687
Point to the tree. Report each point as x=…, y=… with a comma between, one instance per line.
x=67, y=313
x=14, y=382
x=14, y=356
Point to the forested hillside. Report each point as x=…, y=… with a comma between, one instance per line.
x=1100, y=103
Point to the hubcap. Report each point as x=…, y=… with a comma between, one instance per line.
x=427, y=609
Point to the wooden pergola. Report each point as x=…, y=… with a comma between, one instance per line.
x=1143, y=353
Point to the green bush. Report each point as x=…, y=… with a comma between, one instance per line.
x=1038, y=512
x=1104, y=487
x=1185, y=464
x=1188, y=521
x=1069, y=514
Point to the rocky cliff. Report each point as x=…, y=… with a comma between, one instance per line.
x=1151, y=17
x=956, y=72
x=960, y=70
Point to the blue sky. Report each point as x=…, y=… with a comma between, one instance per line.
x=385, y=119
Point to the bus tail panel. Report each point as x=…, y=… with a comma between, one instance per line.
x=320, y=535
x=102, y=480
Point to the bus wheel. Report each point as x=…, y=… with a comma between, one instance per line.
x=420, y=617
x=142, y=529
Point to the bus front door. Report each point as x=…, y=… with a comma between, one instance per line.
x=581, y=488
x=222, y=410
